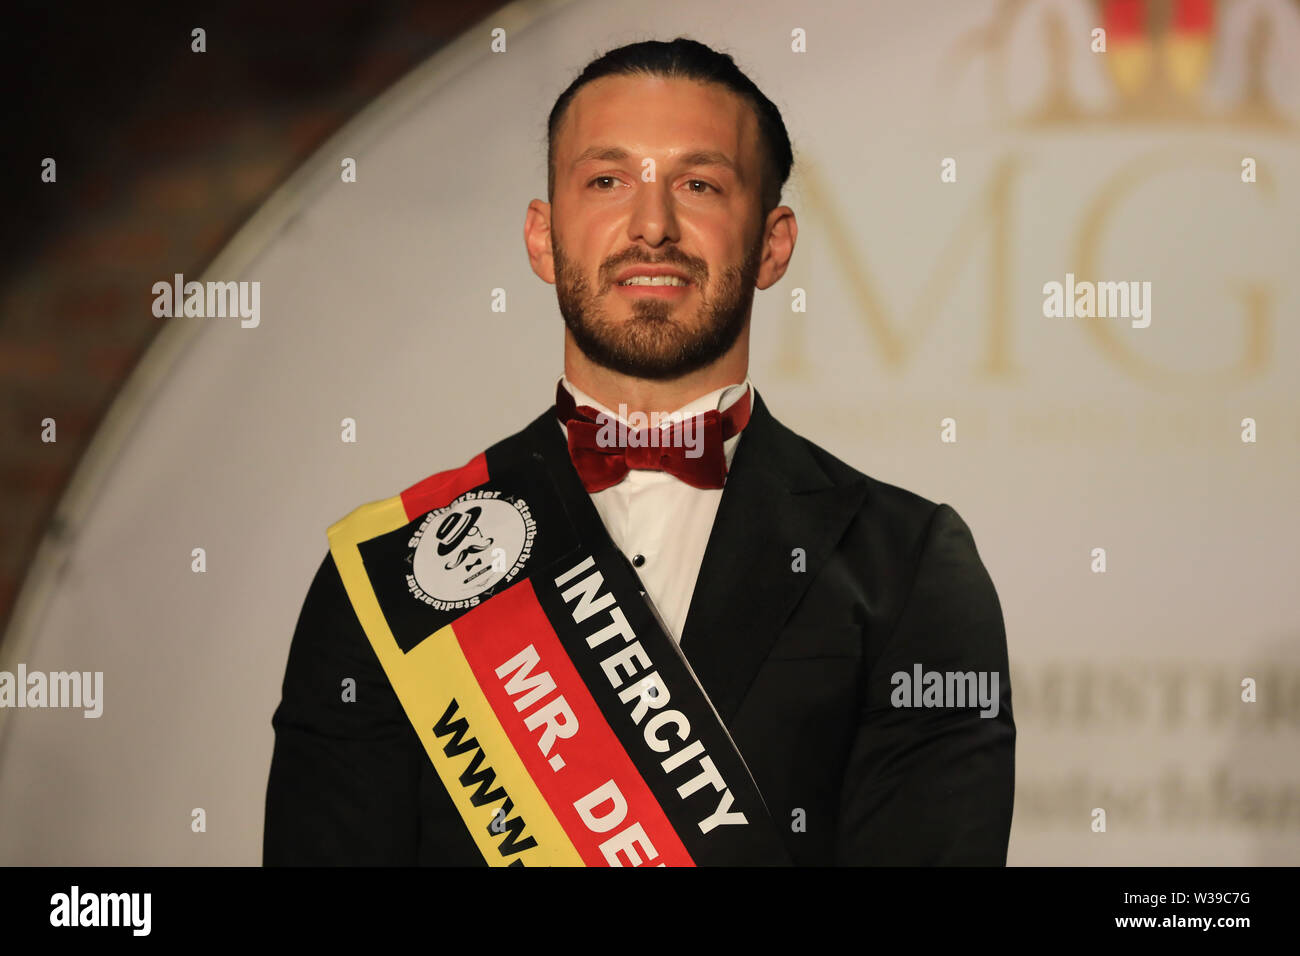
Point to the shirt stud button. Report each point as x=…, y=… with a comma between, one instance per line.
x=638, y=560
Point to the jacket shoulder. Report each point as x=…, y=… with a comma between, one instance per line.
x=893, y=527
x=909, y=507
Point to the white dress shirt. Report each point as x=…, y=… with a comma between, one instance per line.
x=659, y=521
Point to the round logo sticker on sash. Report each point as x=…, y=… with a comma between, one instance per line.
x=468, y=547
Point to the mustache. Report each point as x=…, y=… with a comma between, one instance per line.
x=466, y=552
x=689, y=269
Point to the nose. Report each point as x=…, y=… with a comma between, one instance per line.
x=653, y=219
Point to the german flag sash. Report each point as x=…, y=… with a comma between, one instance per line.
x=562, y=718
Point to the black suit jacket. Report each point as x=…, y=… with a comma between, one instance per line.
x=798, y=664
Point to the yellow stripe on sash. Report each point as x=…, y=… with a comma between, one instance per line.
x=426, y=679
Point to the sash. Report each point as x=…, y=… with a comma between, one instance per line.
x=564, y=721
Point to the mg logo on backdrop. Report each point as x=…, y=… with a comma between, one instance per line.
x=1148, y=152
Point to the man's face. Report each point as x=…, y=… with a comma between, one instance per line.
x=698, y=216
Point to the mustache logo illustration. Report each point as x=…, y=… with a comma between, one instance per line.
x=455, y=528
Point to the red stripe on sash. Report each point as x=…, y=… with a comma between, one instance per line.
x=1125, y=20
x=496, y=632
x=1193, y=16
x=444, y=487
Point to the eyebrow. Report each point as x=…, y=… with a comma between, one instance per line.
x=697, y=157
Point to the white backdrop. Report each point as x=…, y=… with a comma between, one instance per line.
x=924, y=303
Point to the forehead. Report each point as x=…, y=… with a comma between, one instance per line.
x=652, y=114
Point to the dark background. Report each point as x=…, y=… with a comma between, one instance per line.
x=162, y=154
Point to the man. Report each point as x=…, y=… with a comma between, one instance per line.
x=828, y=618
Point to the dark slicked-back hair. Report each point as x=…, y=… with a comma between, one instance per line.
x=688, y=59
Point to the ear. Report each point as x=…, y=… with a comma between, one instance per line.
x=779, y=234
x=537, y=240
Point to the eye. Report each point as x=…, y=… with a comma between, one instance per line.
x=598, y=179
x=701, y=182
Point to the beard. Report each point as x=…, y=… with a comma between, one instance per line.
x=660, y=340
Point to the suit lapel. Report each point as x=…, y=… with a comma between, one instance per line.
x=777, y=498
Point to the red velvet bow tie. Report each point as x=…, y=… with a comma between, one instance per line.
x=603, y=449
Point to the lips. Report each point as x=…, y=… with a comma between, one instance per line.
x=650, y=271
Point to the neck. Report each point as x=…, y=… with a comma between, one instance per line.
x=612, y=388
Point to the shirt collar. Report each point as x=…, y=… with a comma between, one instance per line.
x=720, y=399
